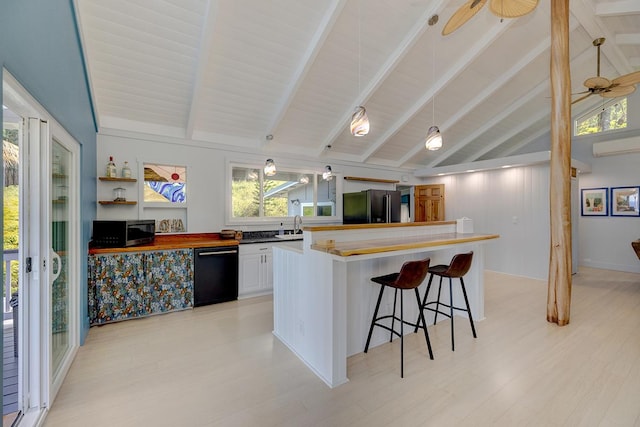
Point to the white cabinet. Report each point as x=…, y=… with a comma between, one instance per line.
x=255, y=275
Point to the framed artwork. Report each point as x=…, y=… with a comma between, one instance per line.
x=624, y=201
x=594, y=202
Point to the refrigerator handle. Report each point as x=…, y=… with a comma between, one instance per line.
x=387, y=199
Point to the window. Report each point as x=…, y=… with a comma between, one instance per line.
x=612, y=115
x=285, y=194
x=165, y=184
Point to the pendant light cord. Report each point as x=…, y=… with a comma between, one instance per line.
x=433, y=64
x=359, y=48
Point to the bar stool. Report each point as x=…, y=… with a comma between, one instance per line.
x=411, y=275
x=458, y=267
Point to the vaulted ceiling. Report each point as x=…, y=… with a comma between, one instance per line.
x=284, y=76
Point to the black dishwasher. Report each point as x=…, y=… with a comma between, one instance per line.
x=215, y=275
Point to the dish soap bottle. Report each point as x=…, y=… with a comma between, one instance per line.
x=281, y=231
x=111, y=168
x=126, y=170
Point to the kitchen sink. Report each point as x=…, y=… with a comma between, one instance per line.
x=289, y=236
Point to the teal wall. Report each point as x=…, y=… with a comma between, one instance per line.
x=40, y=47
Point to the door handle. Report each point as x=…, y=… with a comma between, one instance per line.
x=217, y=253
x=56, y=262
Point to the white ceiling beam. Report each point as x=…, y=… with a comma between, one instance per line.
x=411, y=38
x=542, y=47
x=320, y=36
x=526, y=141
x=87, y=65
x=206, y=41
x=511, y=133
x=628, y=38
x=621, y=7
x=448, y=76
x=535, y=92
x=584, y=12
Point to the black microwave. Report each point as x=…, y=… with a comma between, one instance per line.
x=124, y=233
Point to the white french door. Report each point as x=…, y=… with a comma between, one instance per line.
x=49, y=254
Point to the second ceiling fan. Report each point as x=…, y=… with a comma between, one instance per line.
x=621, y=86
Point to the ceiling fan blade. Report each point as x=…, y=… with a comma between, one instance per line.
x=628, y=79
x=617, y=91
x=581, y=98
x=462, y=15
x=597, y=83
x=512, y=8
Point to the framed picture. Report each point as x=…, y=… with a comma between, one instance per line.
x=594, y=202
x=624, y=201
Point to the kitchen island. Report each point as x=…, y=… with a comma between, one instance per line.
x=323, y=296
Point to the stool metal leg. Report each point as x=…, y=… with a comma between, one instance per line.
x=435, y=319
x=424, y=302
x=401, y=333
x=466, y=301
x=453, y=345
x=373, y=320
x=393, y=316
x=424, y=324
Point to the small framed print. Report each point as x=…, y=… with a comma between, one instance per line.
x=594, y=202
x=624, y=201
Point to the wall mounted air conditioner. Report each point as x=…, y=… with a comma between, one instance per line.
x=616, y=147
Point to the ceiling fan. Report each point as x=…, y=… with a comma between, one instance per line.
x=621, y=86
x=500, y=8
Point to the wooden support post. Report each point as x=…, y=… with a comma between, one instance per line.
x=559, y=289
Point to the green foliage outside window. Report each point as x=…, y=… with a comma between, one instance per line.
x=10, y=230
x=613, y=116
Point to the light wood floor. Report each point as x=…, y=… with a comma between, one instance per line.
x=221, y=366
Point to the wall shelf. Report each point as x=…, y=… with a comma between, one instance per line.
x=107, y=178
x=113, y=202
x=386, y=181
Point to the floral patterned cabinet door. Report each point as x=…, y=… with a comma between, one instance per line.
x=169, y=280
x=117, y=283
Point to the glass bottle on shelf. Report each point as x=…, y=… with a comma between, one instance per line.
x=111, y=168
x=126, y=170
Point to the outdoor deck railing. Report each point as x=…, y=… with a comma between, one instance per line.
x=8, y=256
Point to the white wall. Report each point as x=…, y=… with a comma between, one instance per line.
x=206, y=178
x=605, y=242
x=513, y=203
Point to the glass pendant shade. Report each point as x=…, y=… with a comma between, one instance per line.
x=327, y=175
x=359, y=122
x=304, y=179
x=434, y=139
x=270, y=167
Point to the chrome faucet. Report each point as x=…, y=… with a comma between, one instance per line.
x=297, y=224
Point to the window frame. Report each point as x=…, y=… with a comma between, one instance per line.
x=596, y=111
x=272, y=220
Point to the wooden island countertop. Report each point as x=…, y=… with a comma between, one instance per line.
x=364, y=247
x=173, y=241
x=333, y=227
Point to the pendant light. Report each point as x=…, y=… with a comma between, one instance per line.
x=327, y=175
x=434, y=138
x=359, y=119
x=270, y=167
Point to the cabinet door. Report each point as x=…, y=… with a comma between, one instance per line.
x=255, y=275
x=250, y=273
x=119, y=287
x=267, y=272
x=169, y=280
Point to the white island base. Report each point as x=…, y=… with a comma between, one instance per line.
x=324, y=299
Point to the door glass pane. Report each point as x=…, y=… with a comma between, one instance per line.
x=60, y=219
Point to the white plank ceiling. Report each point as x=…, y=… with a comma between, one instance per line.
x=232, y=72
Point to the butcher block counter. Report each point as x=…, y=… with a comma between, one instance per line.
x=173, y=241
x=364, y=247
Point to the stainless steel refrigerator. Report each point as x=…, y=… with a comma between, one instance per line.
x=371, y=206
